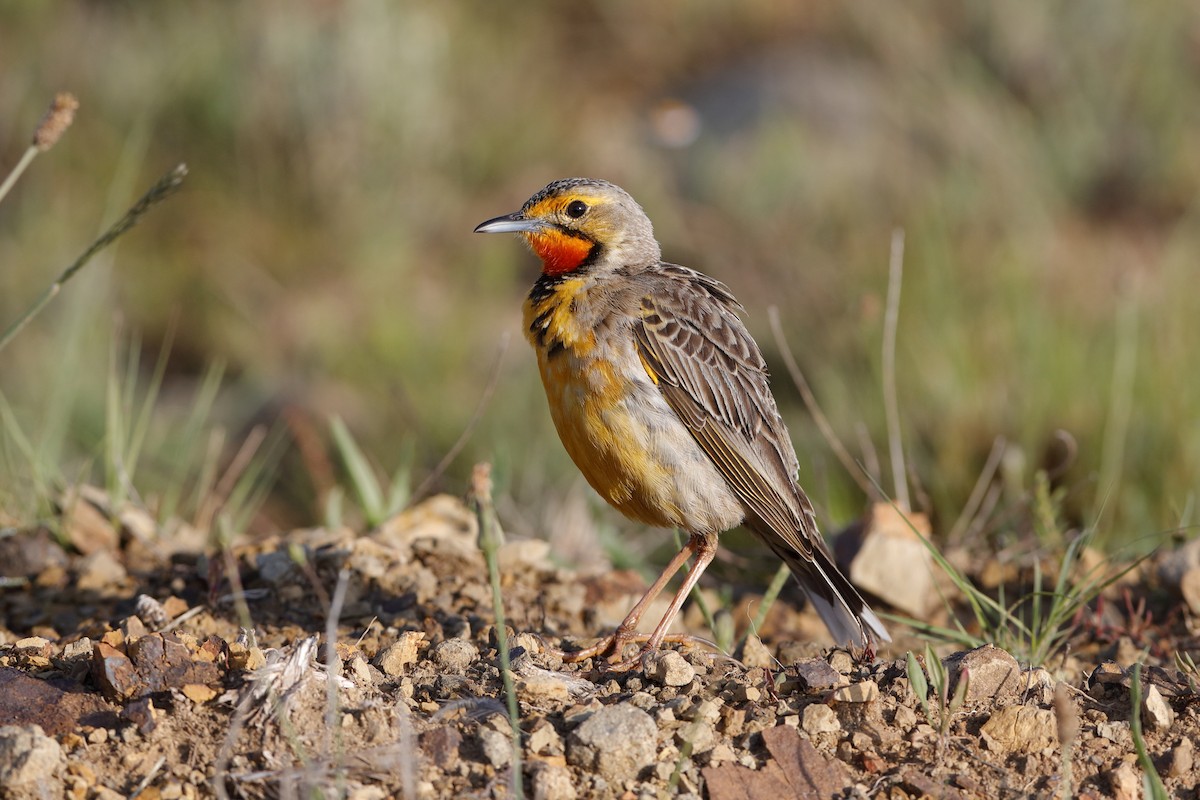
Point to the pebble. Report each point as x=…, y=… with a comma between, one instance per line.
x=699, y=734
x=455, y=655
x=1181, y=759
x=818, y=675
x=755, y=654
x=100, y=571
x=841, y=661
x=669, y=668
x=905, y=718
x=544, y=687
x=891, y=547
x=616, y=741
x=1156, y=712
x=396, y=656
x=861, y=692
x=553, y=782
x=545, y=740
x=1126, y=782
x=27, y=755
x=80, y=648
x=819, y=718
x=497, y=747
x=1023, y=729
x=275, y=567
x=1189, y=587
x=993, y=673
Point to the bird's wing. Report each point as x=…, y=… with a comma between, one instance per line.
x=712, y=374
x=696, y=349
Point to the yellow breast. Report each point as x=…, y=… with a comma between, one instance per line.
x=591, y=387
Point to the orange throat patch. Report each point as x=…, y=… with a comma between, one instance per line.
x=559, y=252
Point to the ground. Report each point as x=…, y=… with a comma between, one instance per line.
x=147, y=675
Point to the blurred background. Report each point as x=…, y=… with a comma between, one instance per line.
x=1042, y=159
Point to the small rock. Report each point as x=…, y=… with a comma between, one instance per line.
x=1181, y=759
x=198, y=692
x=1039, y=683
x=396, y=656
x=441, y=745
x=699, y=734
x=1115, y=732
x=1156, y=712
x=497, y=747
x=246, y=657
x=360, y=792
x=616, y=741
x=819, y=718
x=669, y=668
x=141, y=712
x=543, y=687
x=1174, y=565
x=1108, y=673
x=455, y=655
x=525, y=554
x=1189, y=587
x=27, y=755
x=755, y=654
x=1125, y=782
x=861, y=692
x=33, y=645
x=544, y=740
x=114, y=673
x=816, y=675
x=553, y=782
x=708, y=710
x=905, y=718
x=1021, y=729
x=891, y=547
x=88, y=527
x=276, y=567
x=100, y=571
x=993, y=673
x=80, y=648
x=747, y=694
x=841, y=661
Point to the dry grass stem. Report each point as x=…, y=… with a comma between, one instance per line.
x=891, y=405
x=163, y=188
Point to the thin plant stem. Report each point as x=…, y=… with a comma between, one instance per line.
x=979, y=492
x=26, y=159
x=333, y=671
x=163, y=188
x=491, y=537
x=891, y=406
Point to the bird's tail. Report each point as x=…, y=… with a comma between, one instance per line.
x=845, y=613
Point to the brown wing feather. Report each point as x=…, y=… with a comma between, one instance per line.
x=713, y=376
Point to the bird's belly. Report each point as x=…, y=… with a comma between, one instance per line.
x=631, y=447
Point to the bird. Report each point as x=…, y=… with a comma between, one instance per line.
x=662, y=399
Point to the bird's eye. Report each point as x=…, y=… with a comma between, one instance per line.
x=576, y=209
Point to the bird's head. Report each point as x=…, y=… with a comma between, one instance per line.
x=582, y=224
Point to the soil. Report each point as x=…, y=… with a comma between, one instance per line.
x=159, y=672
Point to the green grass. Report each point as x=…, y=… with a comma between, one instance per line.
x=1152, y=782
x=1037, y=625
